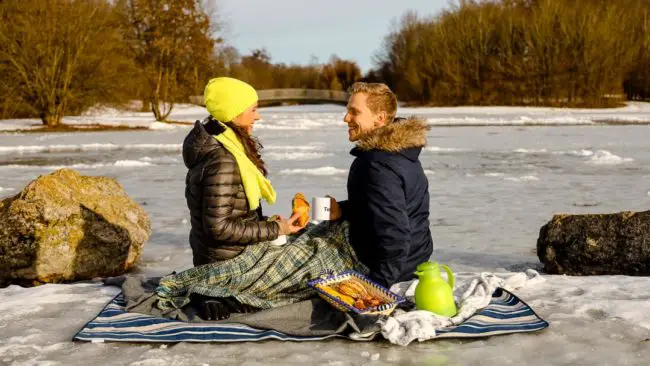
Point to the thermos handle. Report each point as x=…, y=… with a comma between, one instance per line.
x=450, y=276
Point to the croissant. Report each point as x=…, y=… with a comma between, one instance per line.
x=346, y=299
x=300, y=205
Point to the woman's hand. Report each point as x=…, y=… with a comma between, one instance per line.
x=290, y=226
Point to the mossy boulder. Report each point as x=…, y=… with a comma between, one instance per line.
x=66, y=227
x=607, y=244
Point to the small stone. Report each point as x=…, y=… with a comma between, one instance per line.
x=375, y=357
x=164, y=346
x=365, y=354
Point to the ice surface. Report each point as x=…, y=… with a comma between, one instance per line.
x=491, y=189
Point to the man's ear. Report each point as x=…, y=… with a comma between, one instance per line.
x=381, y=119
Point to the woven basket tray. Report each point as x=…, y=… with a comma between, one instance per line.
x=389, y=299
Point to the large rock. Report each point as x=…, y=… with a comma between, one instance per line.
x=609, y=244
x=66, y=227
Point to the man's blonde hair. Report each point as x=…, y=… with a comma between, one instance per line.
x=380, y=98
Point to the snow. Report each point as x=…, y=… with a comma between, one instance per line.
x=323, y=116
x=491, y=189
x=594, y=320
x=290, y=155
x=633, y=112
x=326, y=170
x=606, y=157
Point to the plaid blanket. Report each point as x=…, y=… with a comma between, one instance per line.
x=266, y=276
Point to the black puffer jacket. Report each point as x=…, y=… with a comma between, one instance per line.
x=388, y=201
x=221, y=221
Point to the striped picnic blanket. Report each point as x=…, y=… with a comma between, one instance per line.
x=266, y=276
x=505, y=314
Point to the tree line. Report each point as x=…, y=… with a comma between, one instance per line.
x=523, y=52
x=61, y=57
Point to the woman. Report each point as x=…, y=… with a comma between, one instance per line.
x=227, y=177
x=236, y=270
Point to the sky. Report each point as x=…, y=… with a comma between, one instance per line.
x=295, y=30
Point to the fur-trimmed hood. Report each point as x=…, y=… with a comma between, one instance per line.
x=397, y=136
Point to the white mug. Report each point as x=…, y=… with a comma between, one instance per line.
x=280, y=241
x=320, y=209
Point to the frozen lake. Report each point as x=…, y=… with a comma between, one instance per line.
x=491, y=187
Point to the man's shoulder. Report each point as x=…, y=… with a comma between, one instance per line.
x=373, y=160
x=392, y=160
x=379, y=156
x=379, y=164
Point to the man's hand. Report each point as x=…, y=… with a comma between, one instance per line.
x=291, y=225
x=335, y=209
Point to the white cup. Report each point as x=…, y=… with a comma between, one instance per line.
x=280, y=241
x=320, y=209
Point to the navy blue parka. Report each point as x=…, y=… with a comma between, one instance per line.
x=388, y=201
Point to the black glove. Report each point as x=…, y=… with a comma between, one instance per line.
x=218, y=308
x=210, y=308
x=234, y=306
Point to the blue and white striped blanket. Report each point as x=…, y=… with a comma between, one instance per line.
x=505, y=314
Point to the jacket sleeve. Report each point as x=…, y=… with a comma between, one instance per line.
x=389, y=219
x=220, y=187
x=343, y=205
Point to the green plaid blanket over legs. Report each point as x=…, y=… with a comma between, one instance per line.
x=264, y=275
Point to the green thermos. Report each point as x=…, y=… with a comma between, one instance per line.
x=433, y=293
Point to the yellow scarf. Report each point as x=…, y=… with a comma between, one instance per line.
x=256, y=186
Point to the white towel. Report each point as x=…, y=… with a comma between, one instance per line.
x=473, y=294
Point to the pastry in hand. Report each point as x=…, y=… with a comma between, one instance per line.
x=300, y=205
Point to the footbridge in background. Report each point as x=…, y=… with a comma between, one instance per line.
x=280, y=96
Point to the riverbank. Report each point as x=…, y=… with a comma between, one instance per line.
x=111, y=119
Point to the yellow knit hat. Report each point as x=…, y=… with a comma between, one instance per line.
x=226, y=98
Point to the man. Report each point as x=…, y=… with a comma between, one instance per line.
x=388, y=193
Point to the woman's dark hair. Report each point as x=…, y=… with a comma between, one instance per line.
x=252, y=146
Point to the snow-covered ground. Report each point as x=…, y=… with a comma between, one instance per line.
x=298, y=117
x=492, y=188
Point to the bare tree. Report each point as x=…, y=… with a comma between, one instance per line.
x=172, y=41
x=61, y=55
x=339, y=74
